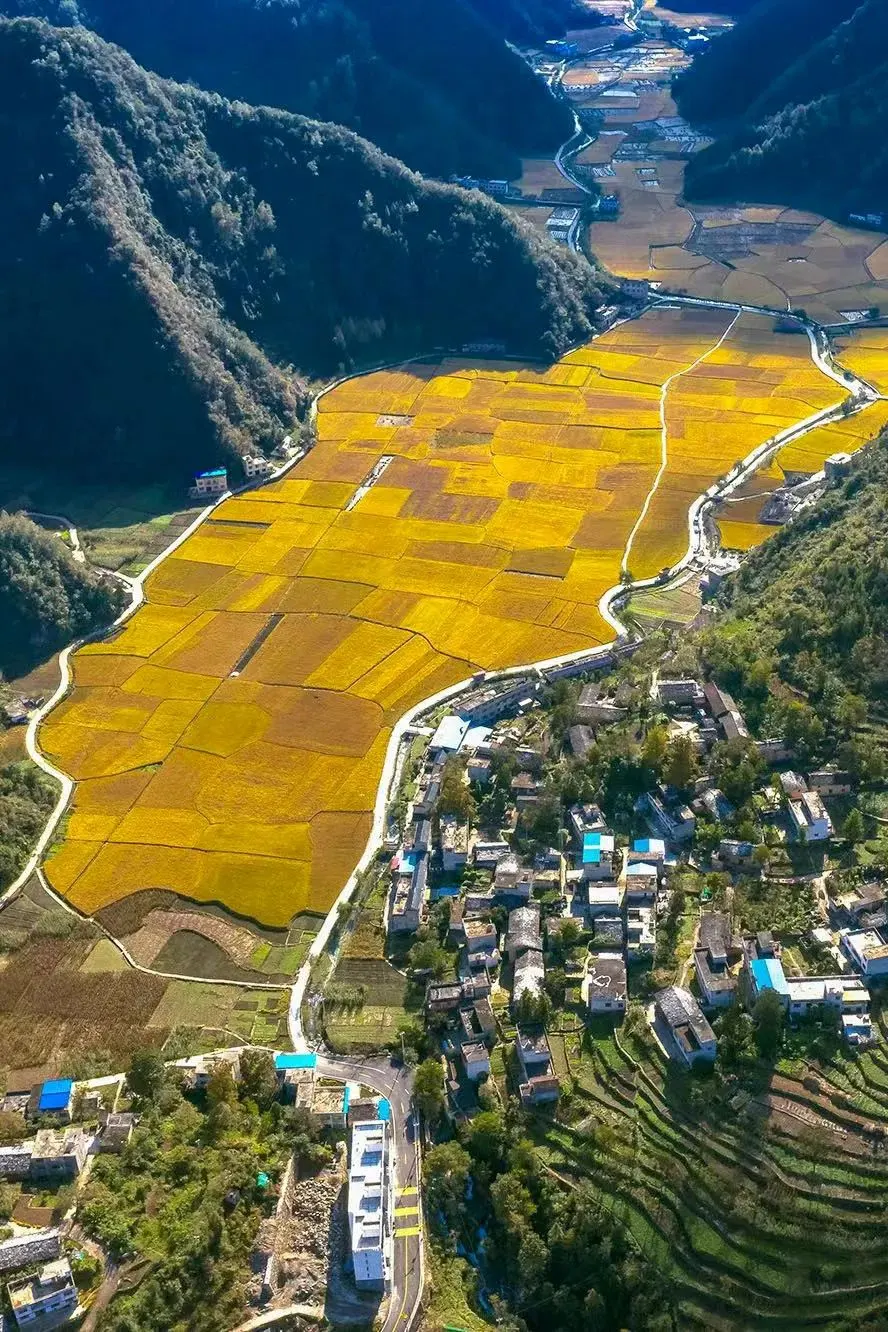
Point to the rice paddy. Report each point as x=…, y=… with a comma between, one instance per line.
x=227, y=742
x=751, y=253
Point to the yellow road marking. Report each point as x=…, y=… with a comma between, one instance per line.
x=410, y=1192
x=407, y=1231
x=406, y=1211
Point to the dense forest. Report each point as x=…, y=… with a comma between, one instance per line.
x=803, y=634
x=167, y=255
x=559, y=1260
x=46, y=597
x=432, y=82
x=797, y=94
x=26, y=799
x=533, y=22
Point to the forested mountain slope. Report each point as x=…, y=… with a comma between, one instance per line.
x=166, y=256
x=46, y=597
x=433, y=82
x=803, y=636
x=532, y=22
x=799, y=90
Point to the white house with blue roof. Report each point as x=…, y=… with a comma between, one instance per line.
x=57, y=1098
x=598, y=856
x=210, y=484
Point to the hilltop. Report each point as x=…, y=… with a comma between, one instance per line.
x=796, y=94
x=168, y=257
x=433, y=82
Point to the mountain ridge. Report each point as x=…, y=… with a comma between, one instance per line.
x=169, y=257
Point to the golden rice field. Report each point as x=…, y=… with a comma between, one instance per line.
x=752, y=387
x=228, y=740
x=865, y=352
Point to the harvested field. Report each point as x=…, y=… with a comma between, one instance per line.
x=232, y=751
x=538, y=174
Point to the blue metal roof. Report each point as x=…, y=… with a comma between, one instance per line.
x=641, y=871
x=768, y=974
x=346, y=1098
x=285, y=1061
x=215, y=471
x=385, y=1109
x=56, y=1095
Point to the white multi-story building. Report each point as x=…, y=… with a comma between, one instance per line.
x=210, y=485
x=255, y=466
x=370, y=1205
x=50, y=1291
x=868, y=951
x=810, y=818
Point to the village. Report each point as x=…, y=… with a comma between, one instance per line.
x=327, y=1235
x=630, y=893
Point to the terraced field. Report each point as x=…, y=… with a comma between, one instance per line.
x=228, y=740
x=762, y=1210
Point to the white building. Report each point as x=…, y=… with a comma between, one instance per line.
x=528, y=977
x=476, y=1058
x=210, y=485
x=810, y=818
x=256, y=466
x=606, y=986
x=867, y=950
x=679, y=1014
x=449, y=735
x=50, y=1290
x=369, y=1205
x=641, y=930
x=454, y=843
x=604, y=899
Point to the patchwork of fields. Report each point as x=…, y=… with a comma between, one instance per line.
x=760, y=255
x=228, y=740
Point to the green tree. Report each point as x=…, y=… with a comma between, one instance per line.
x=767, y=1021
x=146, y=1074
x=13, y=1128
x=854, y=829
x=485, y=1138
x=681, y=762
x=428, y=1090
x=258, y=1081
x=455, y=795
x=733, y=1029
x=654, y=749
x=556, y=985
x=426, y=955
x=445, y=1172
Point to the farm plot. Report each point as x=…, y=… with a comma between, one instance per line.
x=807, y=455
x=753, y=254
x=228, y=741
x=865, y=351
x=744, y=392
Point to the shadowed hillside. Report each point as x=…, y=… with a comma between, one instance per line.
x=798, y=89
x=167, y=256
x=431, y=81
